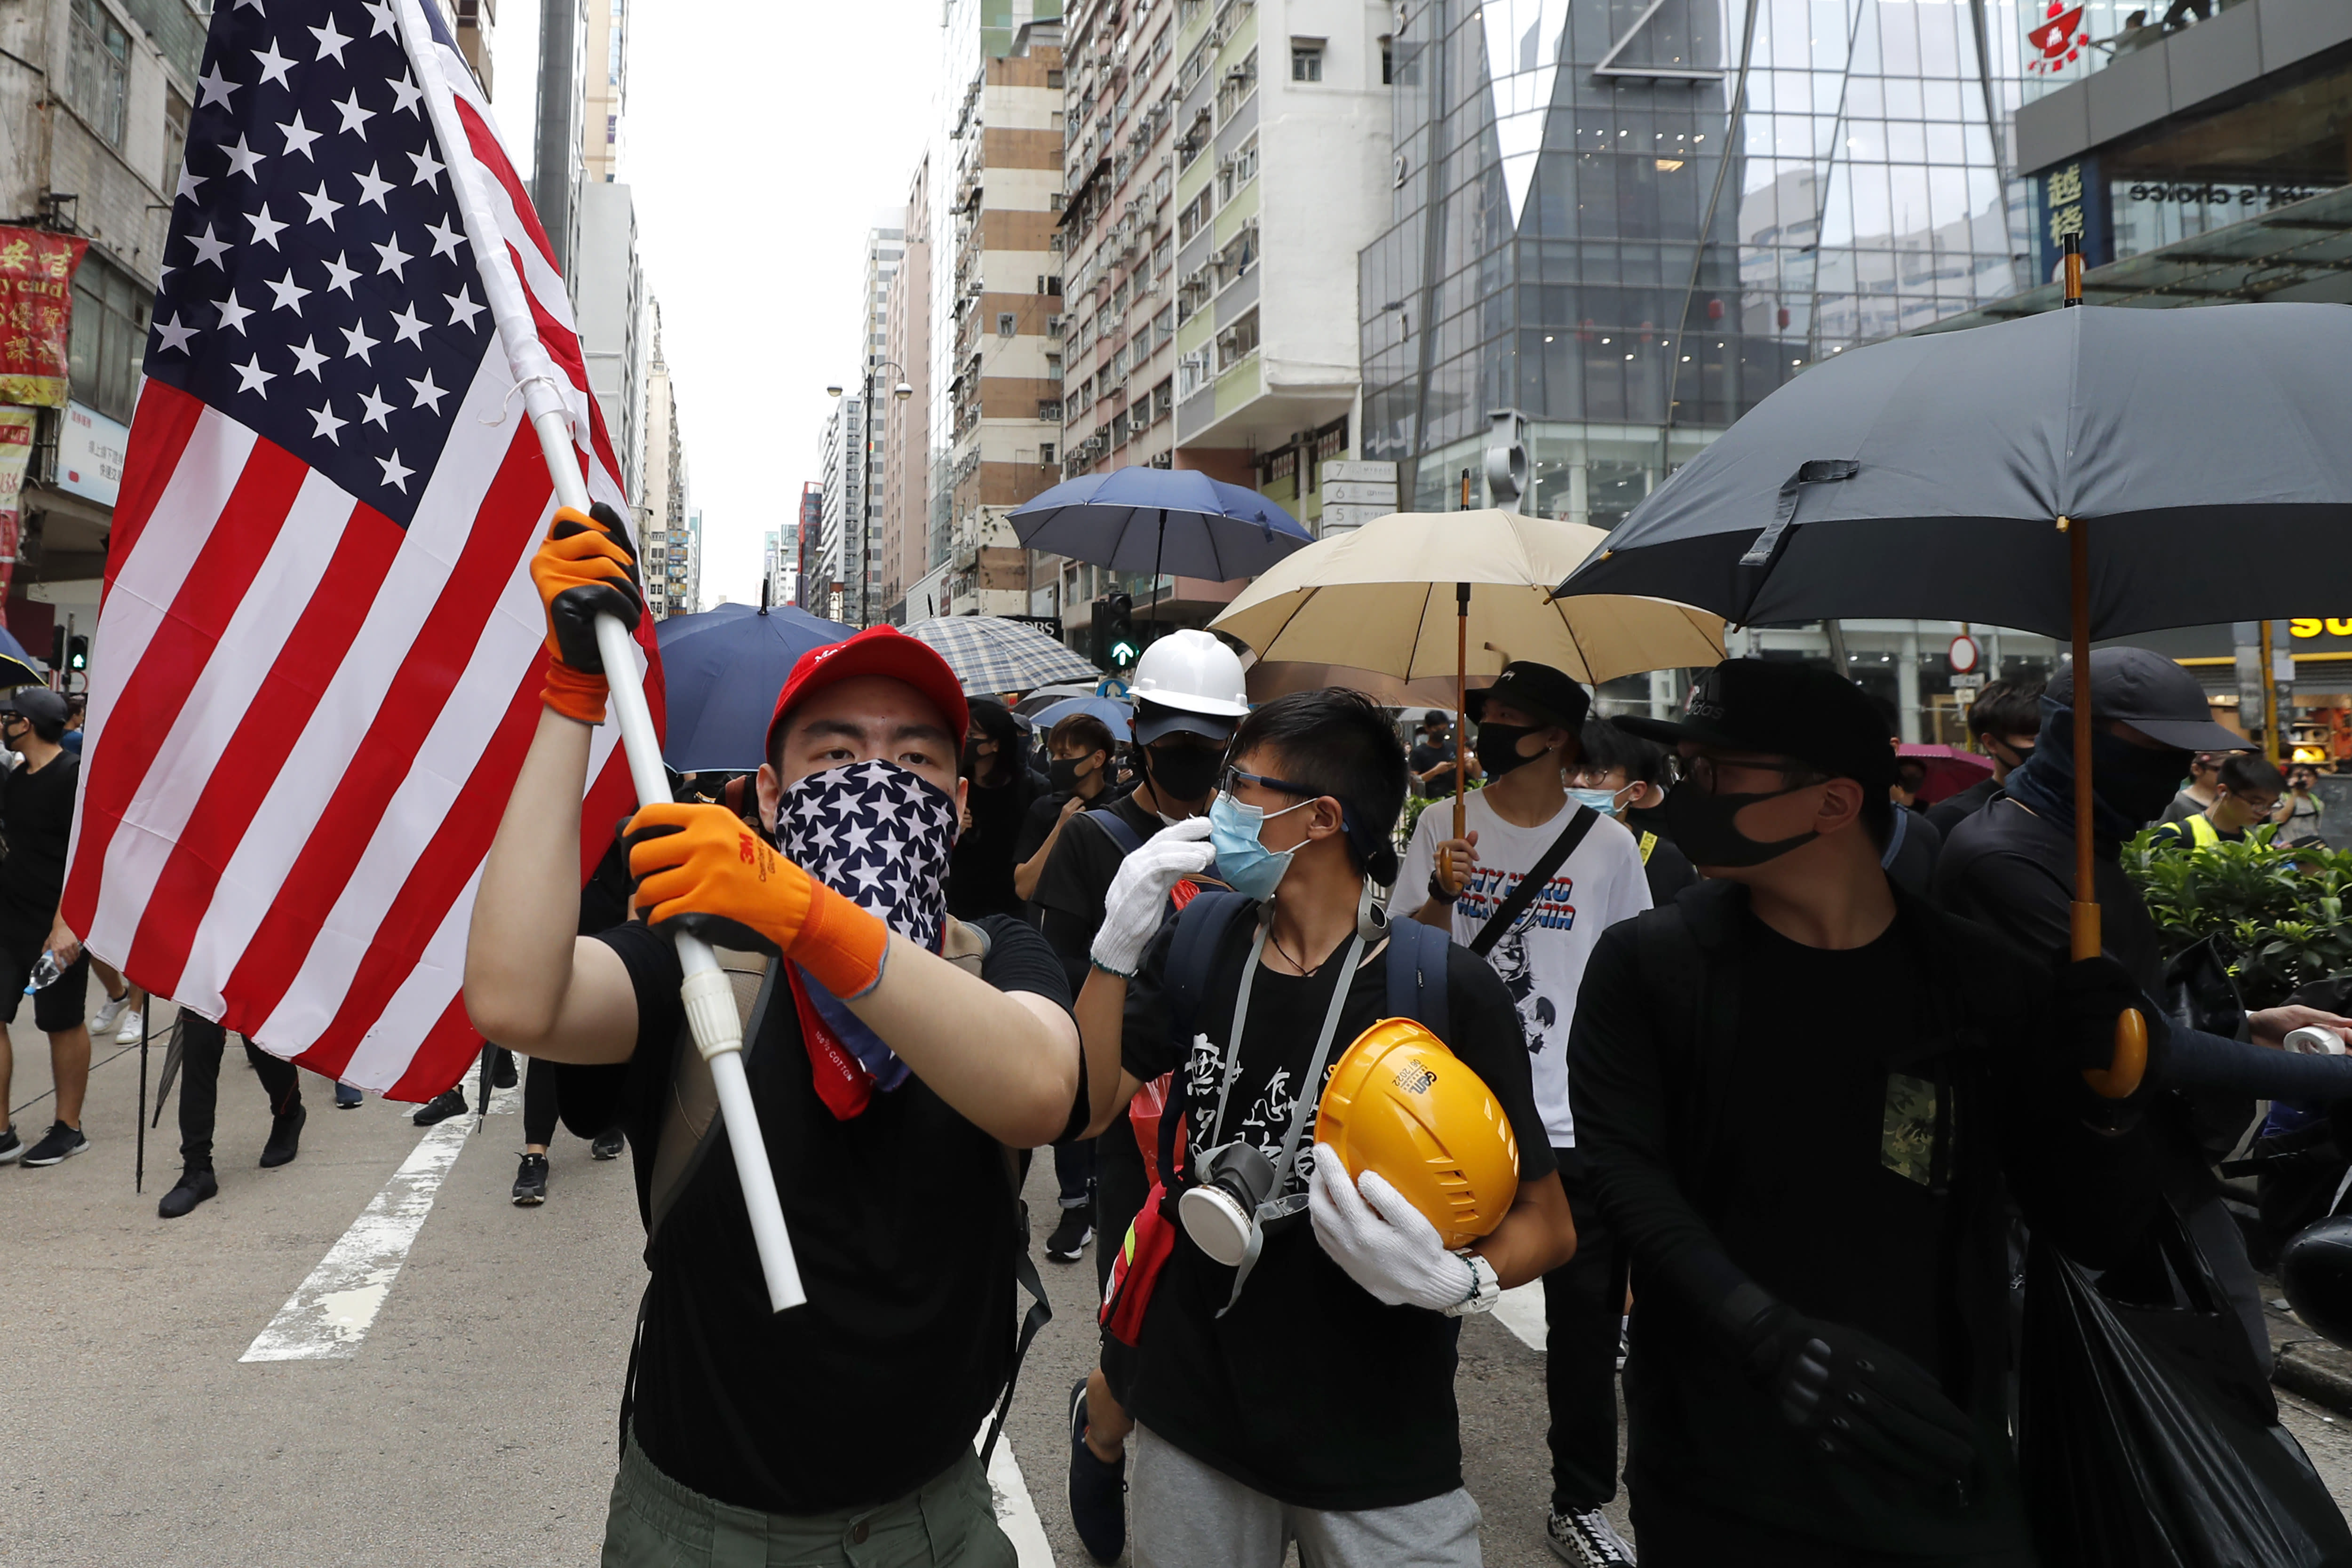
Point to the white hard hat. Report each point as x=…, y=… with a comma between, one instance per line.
x=1192, y=673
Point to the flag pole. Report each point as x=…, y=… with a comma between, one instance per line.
x=710, y=997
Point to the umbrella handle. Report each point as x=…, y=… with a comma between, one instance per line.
x=2120, y=1078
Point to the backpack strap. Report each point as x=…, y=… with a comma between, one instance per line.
x=1416, y=975
x=1498, y=924
x=1118, y=829
x=1895, y=839
x=1201, y=925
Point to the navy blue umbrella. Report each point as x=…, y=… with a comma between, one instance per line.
x=721, y=671
x=1160, y=519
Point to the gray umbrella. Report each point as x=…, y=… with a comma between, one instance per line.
x=2087, y=473
x=1934, y=476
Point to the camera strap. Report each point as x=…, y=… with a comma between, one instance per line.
x=1310, y=1089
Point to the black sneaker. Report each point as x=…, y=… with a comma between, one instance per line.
x=1588, y=1540
x=194, y=1187
x=502, y=1069
x=530, y=1182
x=285, y=1138
x=348, y=1097
x=1097, y=1492
x=450, y=1102
x=62, y=1143
x=12, y=1148
x=607, y=1144
x=1068, y=1242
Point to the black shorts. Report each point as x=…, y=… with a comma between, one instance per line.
x=57, y=1006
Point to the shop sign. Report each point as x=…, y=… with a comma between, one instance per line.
x=90, y=449
x=15, y=453
x=2213, y=196
x=2070, y=200
x=36, y=314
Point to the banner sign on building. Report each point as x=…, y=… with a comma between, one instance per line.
x=35, y=312
x=90, y=449
x=2070, y=198
x=16, y=452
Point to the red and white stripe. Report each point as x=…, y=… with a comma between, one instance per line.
x=305, y=720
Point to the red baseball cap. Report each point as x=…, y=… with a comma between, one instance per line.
x=877, y=650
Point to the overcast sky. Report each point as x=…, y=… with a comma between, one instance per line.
x=762, y=139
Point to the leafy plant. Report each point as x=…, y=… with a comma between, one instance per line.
x=2277, y=914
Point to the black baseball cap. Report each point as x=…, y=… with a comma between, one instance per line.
x=1782, y=709
x=35, y=702
x=1155, y=720
x=2153, y=695
x=1536, y=689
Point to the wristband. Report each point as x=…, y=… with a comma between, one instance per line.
x=1485, y=1288
x=573, y=693
x=1437, y=890
x=841, y=943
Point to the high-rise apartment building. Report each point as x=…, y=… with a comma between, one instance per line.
x=902, y=497
x=609, y=288
x=1005, y=396
x=843, y=475
x=476, y=21
x=602, y=118
x=801, y=546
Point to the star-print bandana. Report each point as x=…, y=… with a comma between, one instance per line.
x=879, y=835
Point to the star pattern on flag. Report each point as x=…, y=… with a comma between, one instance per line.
x=879, y=834
x=316, y=207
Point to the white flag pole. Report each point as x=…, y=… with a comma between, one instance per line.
x=710, y=996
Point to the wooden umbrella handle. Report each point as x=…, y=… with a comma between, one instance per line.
x=2121, y=1078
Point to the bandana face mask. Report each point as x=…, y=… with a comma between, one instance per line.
x=880, y=836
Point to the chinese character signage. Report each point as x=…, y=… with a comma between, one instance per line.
x=90, y=449
x=2060, y=39
x=16, y=452
x=35, y=312
x=2070, y=198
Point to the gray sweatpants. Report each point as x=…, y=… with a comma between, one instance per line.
x=1186, y=1514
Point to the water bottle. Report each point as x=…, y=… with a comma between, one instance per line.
x=44, y=973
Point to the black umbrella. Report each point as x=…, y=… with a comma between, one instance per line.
x=2085, y=473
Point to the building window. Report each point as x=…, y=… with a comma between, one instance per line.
x=1237, y=343
x=1053, y=367
x=1006, y=323
x=1237, y=170
x=1193, y=293
x=1239, y=254
x=1163, y=400
x=1163, y=256
x=1045, y=454
x=1306, y=60
x=1189, y=221
x=1239, y=82
x=108, y=338
x=1052, y=79
x=612, y=129
x=1049, y=410
x=175, y=137
x=98, y=69
x=1191, y=372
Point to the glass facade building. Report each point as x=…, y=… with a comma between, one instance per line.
x=1628, y=222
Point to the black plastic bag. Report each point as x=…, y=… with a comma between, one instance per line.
x=2148, y=1437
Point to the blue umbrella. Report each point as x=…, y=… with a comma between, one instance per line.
x=722, y=670
x=1166, y=520
x=1120, y=716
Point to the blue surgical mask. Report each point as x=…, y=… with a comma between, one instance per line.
x=1603, y=801
x=1243, y=861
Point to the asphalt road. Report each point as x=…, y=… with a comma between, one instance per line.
x=471, y=1420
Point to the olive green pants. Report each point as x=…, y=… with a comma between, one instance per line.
x=655, y=1522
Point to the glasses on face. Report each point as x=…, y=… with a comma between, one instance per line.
x=1704, y=772
x=1234, y=776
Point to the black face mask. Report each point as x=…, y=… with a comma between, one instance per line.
x=2136, y=783
x=1182, y=773
x=1701, y=827
x=1499, y=747
x=1063, y=773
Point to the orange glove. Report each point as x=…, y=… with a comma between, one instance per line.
x=585, y=567
x=699, y=865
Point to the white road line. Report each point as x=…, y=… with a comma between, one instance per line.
x=330, y=1313
x=1521, y=1310
x=1015, y=1514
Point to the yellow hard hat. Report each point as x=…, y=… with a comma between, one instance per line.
x=1402, y=1104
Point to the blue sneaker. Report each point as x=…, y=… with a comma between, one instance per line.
x=347, y=1096
x=1097, y=1492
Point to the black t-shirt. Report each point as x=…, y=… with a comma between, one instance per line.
x=37, y=816
x=1309, y=1389
x=2015, y=872
x=1669, y=870
x=980, y=875
x=1425, y=757
x=1954, y=809
x=1913, y=864
x=1084, y=859
x=902, y=1223
x=1037, y=826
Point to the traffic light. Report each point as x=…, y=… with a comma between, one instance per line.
x=77, y=652
x=1120, y=646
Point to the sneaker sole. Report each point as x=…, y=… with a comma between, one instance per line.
x=10, y=1156
x=33, y=1165
x=526, y=1200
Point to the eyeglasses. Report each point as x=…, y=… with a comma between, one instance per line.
x=1703, y=770
x=1234, y=775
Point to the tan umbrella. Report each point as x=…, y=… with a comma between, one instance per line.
x=1268, y=680
x=1417, y=594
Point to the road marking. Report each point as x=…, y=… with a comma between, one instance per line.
x=1015, y=1514
x=1521, y=1310
x=330, y=1313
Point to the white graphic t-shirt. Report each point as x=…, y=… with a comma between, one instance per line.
x=1541, y=959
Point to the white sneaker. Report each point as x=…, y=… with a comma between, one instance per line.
x=129, y=1034
x=1588, y=1541
x=110, y=1012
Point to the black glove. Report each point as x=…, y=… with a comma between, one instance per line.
x=1856, y=1398
x=2093, y=992
x=586, y=568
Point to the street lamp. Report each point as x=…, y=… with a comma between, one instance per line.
x=900, y=393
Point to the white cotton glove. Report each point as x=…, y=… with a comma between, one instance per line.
x=1384, y=1242
x=1138, y=897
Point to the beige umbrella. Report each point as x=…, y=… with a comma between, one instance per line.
x=1417, y=594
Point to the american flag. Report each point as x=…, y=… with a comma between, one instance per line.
x=320, y=652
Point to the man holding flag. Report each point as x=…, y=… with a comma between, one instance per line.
x=899, y=1057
